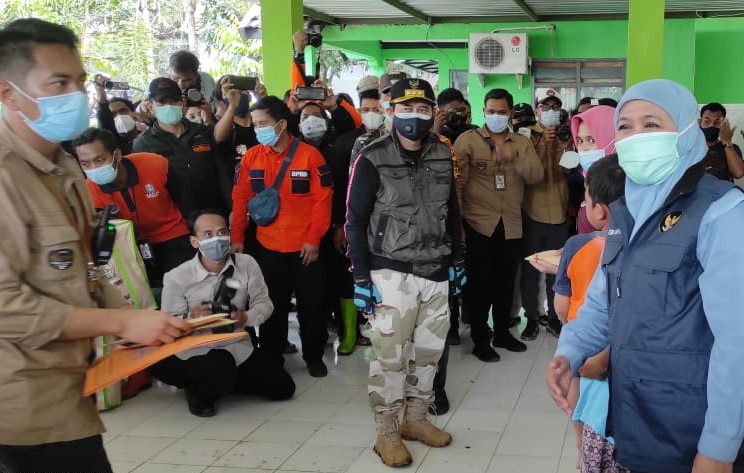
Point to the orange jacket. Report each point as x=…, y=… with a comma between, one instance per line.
x=304, y=197
x=299, y=80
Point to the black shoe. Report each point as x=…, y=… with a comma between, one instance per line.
x=543, y=320
x=514, y=321
x=441, y=403
x=554, y=327
x=317, y=368
x=453, y=339
x=507, y=340
x=486, y=354
x=530, y=331
x=200, y=408
x=290, y=348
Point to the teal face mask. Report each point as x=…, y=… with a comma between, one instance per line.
x=650, y=158
x=169, y=114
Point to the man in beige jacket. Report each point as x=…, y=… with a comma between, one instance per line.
x=47, y=281
x=495, y=166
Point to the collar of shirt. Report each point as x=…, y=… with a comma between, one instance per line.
x=485, y=134
x=201, y=273
x=30, y=155
x=132, y=178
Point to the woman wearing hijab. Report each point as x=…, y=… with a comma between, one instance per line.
x=666, y=296
x=593, y=133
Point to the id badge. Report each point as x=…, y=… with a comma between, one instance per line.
x=500, y=181
x=145, y=251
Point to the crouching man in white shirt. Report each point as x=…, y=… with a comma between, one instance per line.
x=210, y=372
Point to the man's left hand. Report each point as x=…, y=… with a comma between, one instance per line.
x=309, y=254
x=726, y=134
x=240, y=318
x=704, y=464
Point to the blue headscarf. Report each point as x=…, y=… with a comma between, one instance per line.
x=681, y=105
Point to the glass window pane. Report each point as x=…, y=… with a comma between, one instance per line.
x=459, y=80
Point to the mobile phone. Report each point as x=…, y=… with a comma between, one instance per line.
x=243, y=82
x=311, y=93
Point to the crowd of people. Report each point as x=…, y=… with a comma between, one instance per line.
x=399, y=212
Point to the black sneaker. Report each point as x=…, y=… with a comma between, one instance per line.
x=441, y=404
x=453, y=339
x=554, y=327
x=507, y=340
x=543, y=320
x=486, y=354
x=317, y=368
x=200, y=408
x=530, y=331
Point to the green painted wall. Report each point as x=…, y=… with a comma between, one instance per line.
x=702, y=54
x=719, y=54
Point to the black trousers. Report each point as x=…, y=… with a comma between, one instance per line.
x=284, y=273
x=491, y=263
x=77, y=455
x=211, y=376
x=539, y=237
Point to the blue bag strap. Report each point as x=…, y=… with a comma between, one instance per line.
x=285, y=164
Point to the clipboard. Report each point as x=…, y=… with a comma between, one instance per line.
x=121, y=364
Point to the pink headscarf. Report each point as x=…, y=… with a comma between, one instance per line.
x=600, y=120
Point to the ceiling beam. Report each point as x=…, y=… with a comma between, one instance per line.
x=405, y=8
x=527, y=10
x=322, y=16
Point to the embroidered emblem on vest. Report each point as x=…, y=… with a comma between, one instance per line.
x=669, y=221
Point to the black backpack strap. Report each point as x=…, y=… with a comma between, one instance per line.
x=285, y=164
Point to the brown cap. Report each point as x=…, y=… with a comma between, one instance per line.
x=368, y=83
x=388, y=79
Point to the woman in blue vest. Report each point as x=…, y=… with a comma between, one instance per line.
x=667, y=297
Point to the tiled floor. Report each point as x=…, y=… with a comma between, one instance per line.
x=502, y=420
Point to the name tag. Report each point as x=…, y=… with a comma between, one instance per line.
x=302, y=174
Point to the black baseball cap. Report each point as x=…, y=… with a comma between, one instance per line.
x=412, y=89
x=164, y=88
x=523, y=110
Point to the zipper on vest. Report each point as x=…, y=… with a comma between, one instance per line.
x=617, y=286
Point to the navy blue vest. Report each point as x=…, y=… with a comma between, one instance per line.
x=660, y=338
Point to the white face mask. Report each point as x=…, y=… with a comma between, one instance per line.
x=313, y=128
x=550, y=118
x=497, y=123
x=124, y=124
x=372, y=120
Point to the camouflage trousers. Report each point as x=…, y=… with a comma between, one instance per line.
x=409, y=331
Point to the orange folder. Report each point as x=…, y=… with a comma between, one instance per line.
x=122, y=363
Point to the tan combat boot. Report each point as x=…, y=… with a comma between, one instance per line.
x=417, y=427
x=389, y=446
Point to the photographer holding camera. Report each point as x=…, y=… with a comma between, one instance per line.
x=212, y=280
x=196, y=85
x=117, y=114
x=451, y=119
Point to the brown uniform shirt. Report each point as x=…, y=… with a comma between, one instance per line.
x=547, y=200
x=484, y=201
x=42, y=276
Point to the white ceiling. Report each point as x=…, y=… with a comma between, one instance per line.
x=478, y=11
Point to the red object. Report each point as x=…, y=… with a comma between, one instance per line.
x=516, y=40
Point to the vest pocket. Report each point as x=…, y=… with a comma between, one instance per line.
x=257, y=177
x=655, y=267
x=300, y=186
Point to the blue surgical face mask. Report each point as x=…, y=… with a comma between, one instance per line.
x=587, y=158
x=650, y=158
x=169, y=114
x=497, y=123
x=267, y=135
x=550, y=118
x=103, y=175
x=61, y=117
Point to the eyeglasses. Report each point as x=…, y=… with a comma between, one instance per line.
x=545, y=107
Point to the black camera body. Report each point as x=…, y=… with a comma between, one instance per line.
x=222, y=301
x=563, y=133
x=456, y=120
x=114, y=85
x=314, y=38
x=194, y=98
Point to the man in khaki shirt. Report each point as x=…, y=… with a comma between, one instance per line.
x=495, y=165
x=545, y=206
x=47, y=311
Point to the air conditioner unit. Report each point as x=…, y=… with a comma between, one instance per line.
x=498, y=53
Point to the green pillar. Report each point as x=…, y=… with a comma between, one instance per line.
x=279, y=19
x=645, y=40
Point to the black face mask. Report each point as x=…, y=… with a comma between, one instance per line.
x=412, y=128
x=711, y=133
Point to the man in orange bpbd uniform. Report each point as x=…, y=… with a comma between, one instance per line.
x=288, y=246
x=138, y=186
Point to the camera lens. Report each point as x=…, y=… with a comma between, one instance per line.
x=108, y=84
x=194, y=95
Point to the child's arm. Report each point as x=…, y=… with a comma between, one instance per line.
x=560, y=303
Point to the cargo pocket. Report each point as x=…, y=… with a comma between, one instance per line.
x=258, y=180
x=300, y=186
x=657, y=265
